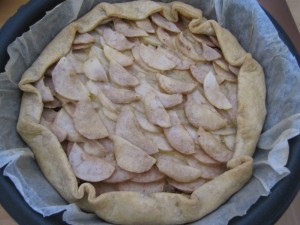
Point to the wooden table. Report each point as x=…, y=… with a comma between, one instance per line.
x=291, y=216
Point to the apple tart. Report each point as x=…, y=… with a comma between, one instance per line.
x=144, y=112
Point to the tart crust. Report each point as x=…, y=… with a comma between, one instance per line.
x=132, y=207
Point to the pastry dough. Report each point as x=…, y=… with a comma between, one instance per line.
x=231, y=99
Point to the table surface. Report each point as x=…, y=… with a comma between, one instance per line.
x=291, y=216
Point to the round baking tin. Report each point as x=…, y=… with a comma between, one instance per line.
x=267, y=210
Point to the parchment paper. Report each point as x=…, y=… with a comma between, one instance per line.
x=247, y=21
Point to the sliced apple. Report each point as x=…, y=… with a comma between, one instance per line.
x=64, y=121
x=119, y=75
x=49, y=115
x=164, y=23
x=68, y=147
x=182, y=63
x=83, y=41
x=230, y=141
x=87, y=122
x=89, y=168
x=49, y=83
x=225, y=75
x=45, y=91
x=208, y=171
x=150, y=176
x=210, y=54
x=138, y=106
x=214, y=94
x=66, y=83
x=99, y=53
x=178, y=136
x=203, y=115
x=59, y=132
x=70, y=108
x=204, y=40
x=192, y=132
x=148, y=188
x=77, y=58
x=200, y=70
x=155, y=59
x=116, y=40
x=189, y=49
x=160, y=141
x=102, y=42
x=187, y=187
x=127, y=128
x=130, y=157
x=139, y=61
x=173, y=156
x=109, y=124
x=52, y=105
x=96, y=36
x=213, y=147
x=151, y=40
x=168, y=101
x=100, y=29
x=84, y=38
x=155, y=111
x=173, y=86
x=62, y=99
x=222, y=64
x=78, y=47
x=94, y=70
x=114, y=55
x=178, y=172
x=182, y=117
x=171, y=55
x=83, y=78
x=95, y=89
x=231, y=92
x=119, y=175
x=120, y=95
x=165, y=37
x=203, y=157
x=128, y=29
x=108, y=145
x=110, y=157
x=145, y=25
x=199, y=98
x=110, y=114
x=94, y=148
x=144, y=88
x=145, y=124
x=107, y=103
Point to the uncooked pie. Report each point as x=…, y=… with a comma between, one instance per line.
x=144, y=112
